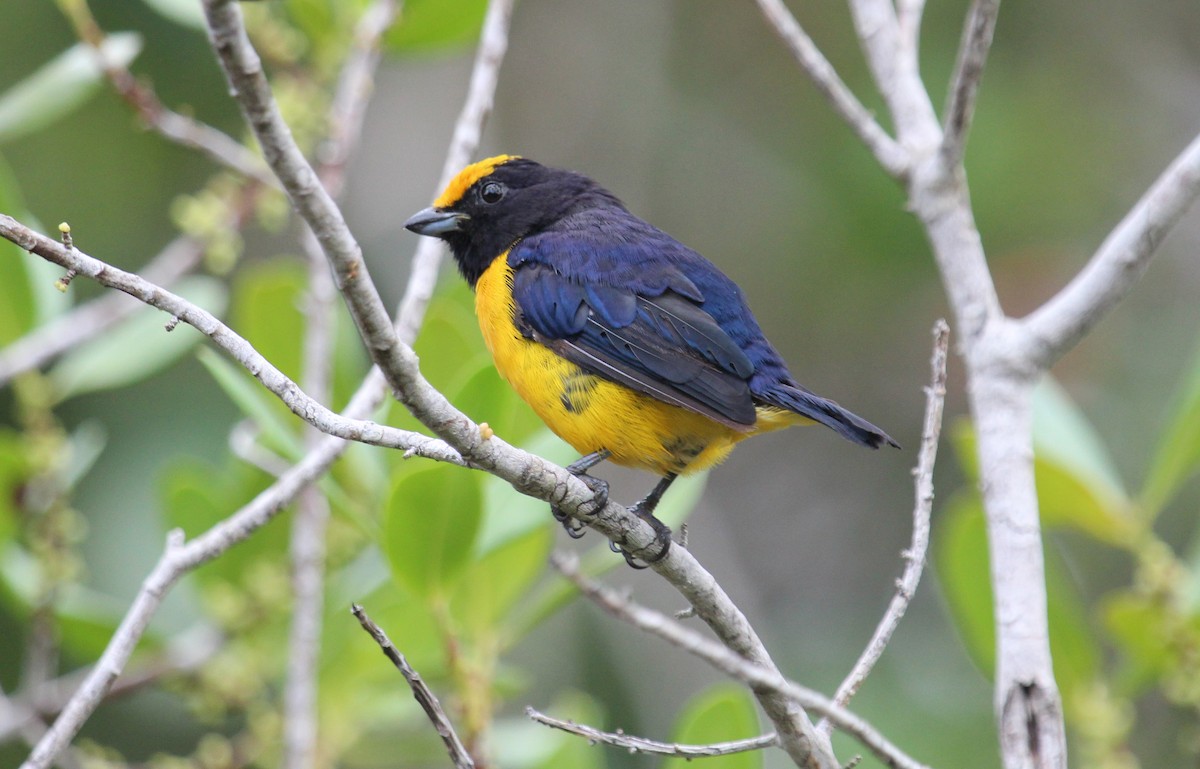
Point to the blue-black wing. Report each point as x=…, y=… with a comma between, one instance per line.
x=630, y=314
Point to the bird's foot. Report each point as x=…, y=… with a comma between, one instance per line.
x=574, y=527
x=662, y=534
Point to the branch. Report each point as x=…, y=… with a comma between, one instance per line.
x=185, y=131
x=423, y=695
x=635, y=744
x=89, y=320
x=758, y=677
x=964, y=83
x=1060, y=323
x=906, y=586
x=185, y=653
x=310, y=523
x=481, y=92
x=272, y=378
x=178, y=558
x=885, y=149
x=245, y=521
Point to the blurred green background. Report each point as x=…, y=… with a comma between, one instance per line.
x=695, y=115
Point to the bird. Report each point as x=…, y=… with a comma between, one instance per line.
x=630, y=346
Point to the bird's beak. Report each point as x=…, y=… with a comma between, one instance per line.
x=434, y=222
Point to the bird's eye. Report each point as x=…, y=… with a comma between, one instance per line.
x=492, y=192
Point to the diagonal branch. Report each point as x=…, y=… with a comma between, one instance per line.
x=885, y=149
x=244, y=522
x=468, y=129
x=181, y=129
x=1059, y=324
x=964, y=83
x=88, y=320
x=421, y=692
x=906, y=586
x=759, y=677
x=635, y=744
x=238, y=348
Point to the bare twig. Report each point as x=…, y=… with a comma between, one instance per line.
x=352, y=94
x=184, y=654
x=968, y=71
x=759, y=678
x=1059, y=324
x=307, y=547
x=485, y=73
x=301, y=404
x=89, y=320
x=178, y=558
x=421, y=692
x=906, y=586
x=307, y=550
x=890, y=155
x=186, y=131
x=635, y=744
x=245, y=521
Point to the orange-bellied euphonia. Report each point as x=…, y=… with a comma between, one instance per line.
x=629, y=345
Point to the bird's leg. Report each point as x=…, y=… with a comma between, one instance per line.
x=645, y=510
x=579, y=468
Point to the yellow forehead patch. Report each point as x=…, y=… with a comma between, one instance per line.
x=468, y=176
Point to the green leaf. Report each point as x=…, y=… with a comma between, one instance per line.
x=1141, y=632
x=1076, y=483
x=186, y=13
x=196, y=495
x=433, y=516
x=430, y=24
x=493, y=583
x=267, y=310
x=136, y=349
x=722, y=713
x=961, y=562
x=1063, y=434
x=1177, y=457
x=15, y=470
x=61, y=85
x=17, y=304
x=960, y=558
x=485, y=397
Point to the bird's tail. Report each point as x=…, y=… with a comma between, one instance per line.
x=850, y=426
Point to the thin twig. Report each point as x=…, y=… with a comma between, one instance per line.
x=481, y=93
x=759, y=678
x=244, y=522
x=885, y=149
x=309, y=525
x=183, y=130
x=184, y=654
x=635, y=744
x=87, y=321
x=178, y=558
x=968, y=72
x=906, y=586
x=423, y=695
x=1059, y=324
x=272, y=378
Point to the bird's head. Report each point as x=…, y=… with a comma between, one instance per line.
x=491, y=205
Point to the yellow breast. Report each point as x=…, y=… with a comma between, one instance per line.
x=589, y=412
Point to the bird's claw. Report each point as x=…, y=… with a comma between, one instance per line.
x=662, y=533
x=573, y=526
